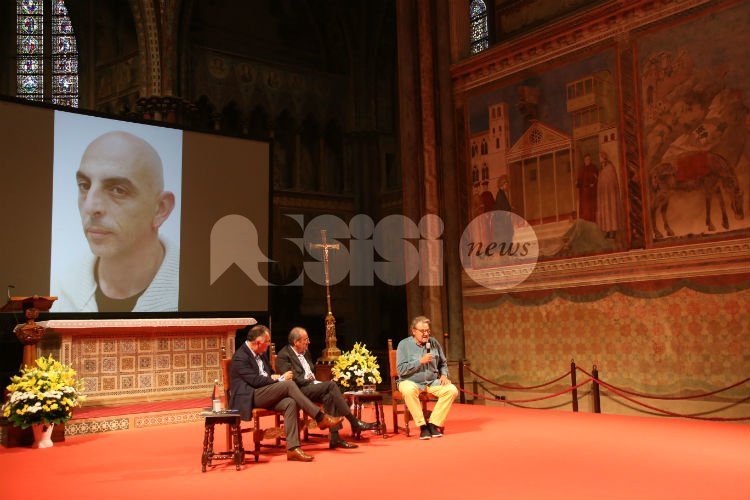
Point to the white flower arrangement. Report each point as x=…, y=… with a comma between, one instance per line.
x=43, y=394
x=356, y=368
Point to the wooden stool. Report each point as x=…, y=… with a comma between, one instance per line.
x=357, y=398
x=237, y=454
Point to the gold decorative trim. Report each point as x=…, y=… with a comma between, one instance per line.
x=304, y=200
x=535, y=48
x=686, y=261
x=94, y=324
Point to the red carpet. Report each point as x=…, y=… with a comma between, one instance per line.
x=489, y=452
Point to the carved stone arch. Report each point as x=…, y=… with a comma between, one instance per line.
x=284, y=151
x=333, y=158
x=259, y=99
x=233, y=119
x=309, y=154
x=285, y=103
x=205, y=114
x=312, y=104
x=259, y=123
x=144, y=16
x=170, y=29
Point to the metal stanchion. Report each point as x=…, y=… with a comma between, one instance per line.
x=462, y=397
x=597, y=397
x=574, y=392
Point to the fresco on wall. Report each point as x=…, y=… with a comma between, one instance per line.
x=549, y=146
x=695, y=100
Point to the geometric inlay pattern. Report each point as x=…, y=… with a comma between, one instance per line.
x=74, y=428
x=140, y=366
x=155, y=420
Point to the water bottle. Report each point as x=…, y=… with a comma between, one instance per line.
x=215, y=402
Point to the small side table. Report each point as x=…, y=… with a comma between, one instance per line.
x=358, y=398
x=237, y=454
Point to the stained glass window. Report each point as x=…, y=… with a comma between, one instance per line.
x=480, y=33
x=47, y=53
x=30, y=48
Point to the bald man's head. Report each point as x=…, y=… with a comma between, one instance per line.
x=121, y=194
x=129, y=152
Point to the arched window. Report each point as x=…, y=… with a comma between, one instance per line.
x=480, y=33
x=47, y=68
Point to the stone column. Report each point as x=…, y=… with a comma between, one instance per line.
x=410, y=129
x=453, y=171
x=431, y=179
x=432, y=298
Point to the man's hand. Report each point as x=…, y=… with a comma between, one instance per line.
x=284, y=376
x=426, y=358
x=444, y=380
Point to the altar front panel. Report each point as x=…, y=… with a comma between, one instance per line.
x=146, y=360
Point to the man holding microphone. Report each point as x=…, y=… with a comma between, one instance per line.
x=422, y=366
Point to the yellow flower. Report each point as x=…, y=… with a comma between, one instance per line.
x=43, y=393
x=356, y=368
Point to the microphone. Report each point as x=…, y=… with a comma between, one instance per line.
x=428, y=345
x=9, y=287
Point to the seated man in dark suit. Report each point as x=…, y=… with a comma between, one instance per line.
x=296, y=358
x=254, y=384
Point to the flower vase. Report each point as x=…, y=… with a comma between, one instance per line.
x=42, y=435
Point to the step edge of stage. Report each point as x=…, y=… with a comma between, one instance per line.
x=131, y=421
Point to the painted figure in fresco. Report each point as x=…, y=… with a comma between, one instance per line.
x=487, y=202
x=696, y=170
x=587, y=187
x=608, y=202
x=502, y=224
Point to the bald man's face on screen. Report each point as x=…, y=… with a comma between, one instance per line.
x=121, y=197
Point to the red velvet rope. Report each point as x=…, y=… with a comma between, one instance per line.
x=671, y=398
x=579, y=397
x=520, y=388
x=569, y=389
x=660, y=410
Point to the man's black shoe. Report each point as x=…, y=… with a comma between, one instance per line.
x=340, y=443
x=425, y=433
x=434, y=430
x=359, y=426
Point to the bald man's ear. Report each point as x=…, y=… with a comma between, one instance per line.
x=164, y=208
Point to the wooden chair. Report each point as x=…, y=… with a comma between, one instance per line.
x=259, y=433
x=397, y=399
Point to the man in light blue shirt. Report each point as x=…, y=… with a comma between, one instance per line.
x=422, y=366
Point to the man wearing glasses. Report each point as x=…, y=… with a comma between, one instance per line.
x=295, y=358
x=422, y=367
